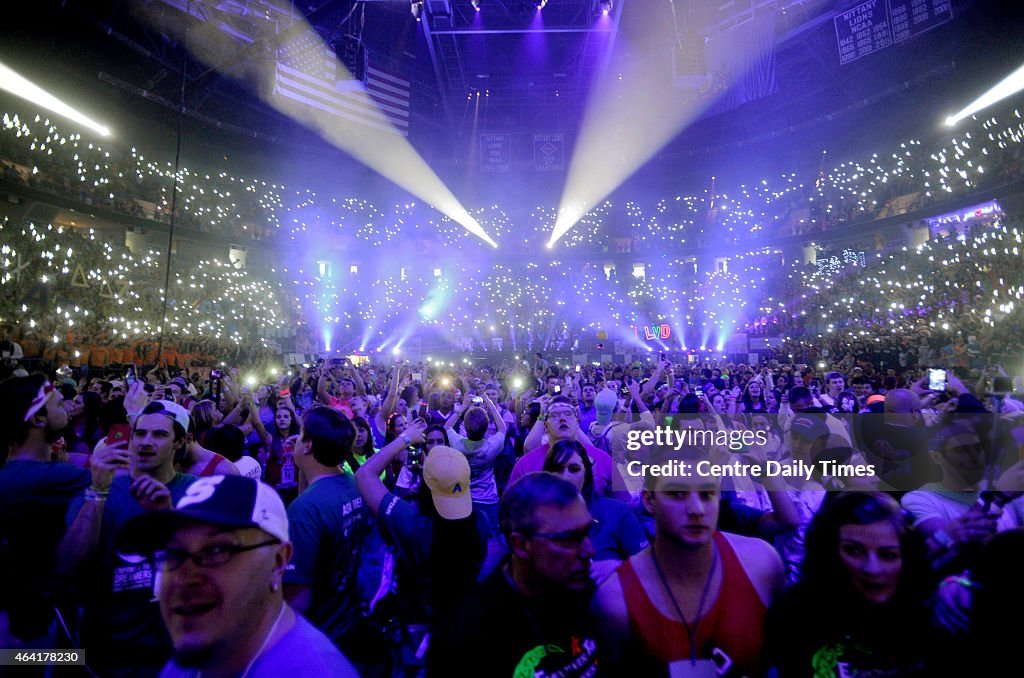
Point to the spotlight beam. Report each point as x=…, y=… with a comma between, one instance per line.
x=22, y=87
x=632, y=114
x=1007, y=87
x=380, y=147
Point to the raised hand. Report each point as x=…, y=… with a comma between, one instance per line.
x=151, y=494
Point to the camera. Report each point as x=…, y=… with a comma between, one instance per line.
x=1002, y=385
x=216, y=374
x=414, y=458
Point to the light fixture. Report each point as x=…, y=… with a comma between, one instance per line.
x=417, y=9
x=476, y=4
x=605, y=5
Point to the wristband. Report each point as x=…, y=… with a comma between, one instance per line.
x=96, y=495
x=407, y=439
x=962, y=579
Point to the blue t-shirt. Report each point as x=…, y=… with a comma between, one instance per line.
x=618, y=534
x=412, y=534
x=34, y=497
x=122, y=626
x=303, y=651
x=481, y=455
x=328, y=526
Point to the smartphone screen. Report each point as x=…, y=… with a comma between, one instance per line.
x=577, y=369
x=936, y=380
x=118, y=433
x=129, y=376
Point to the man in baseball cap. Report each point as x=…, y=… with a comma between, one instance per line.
x=121, y=625
x=808, y=436
x=220, y=556
x=446, y=472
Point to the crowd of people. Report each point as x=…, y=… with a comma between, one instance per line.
x=175, y=501
x=70, y=299
x=911, y=176
x=422, y=519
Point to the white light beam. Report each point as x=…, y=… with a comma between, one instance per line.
x=22, y=87
x=1009, y=86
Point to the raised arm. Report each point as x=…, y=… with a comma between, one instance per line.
x=322, y=387
x=82, y=538
x=536, y=435
x=391, y=398
x=368, y=476
x=357, y=378
x=499, y=423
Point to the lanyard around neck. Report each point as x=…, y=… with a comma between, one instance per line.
x=691, y=629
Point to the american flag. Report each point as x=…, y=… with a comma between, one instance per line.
x=307, y=72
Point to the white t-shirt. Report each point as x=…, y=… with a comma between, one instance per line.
x=934, y=501
x=249, y=467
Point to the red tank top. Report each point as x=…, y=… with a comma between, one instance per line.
x=734, y=625
x=211, y=467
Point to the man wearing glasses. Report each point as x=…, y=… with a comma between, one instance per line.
x=530, y=616
x=220, y=558
x=562, y=423
x=121, y=627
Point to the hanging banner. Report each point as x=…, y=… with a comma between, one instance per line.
x=495, y=152
x=548, y=155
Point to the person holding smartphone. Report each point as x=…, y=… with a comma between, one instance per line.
x=481, y=451
x=128, y=479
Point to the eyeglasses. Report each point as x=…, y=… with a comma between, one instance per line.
x=569, y=539
x=216, y=555
x=561, y=414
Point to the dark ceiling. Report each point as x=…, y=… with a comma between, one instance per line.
x=531, y=78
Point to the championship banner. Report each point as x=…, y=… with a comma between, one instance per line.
x=495, y=152
x=548, y=155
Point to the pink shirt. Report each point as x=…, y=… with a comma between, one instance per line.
x=604, y=468
x=340, y=405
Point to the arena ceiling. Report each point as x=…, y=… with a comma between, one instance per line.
x=530, y=75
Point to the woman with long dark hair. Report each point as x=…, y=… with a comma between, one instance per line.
x=753, y=397
x=618, y=534
x=276, y=455
x=861, y=607
x=83, y=430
